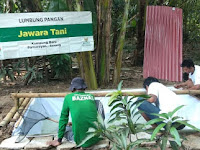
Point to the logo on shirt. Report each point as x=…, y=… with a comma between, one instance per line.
x=82, y=97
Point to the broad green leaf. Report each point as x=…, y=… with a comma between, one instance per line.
x=175, y=118
x=116, y=113
x=114, y=96
x=124, y=135
x=91, y=130
x=187, y=124
x=109, y=94
x=89, y=136
x=120, y=86
x=101, y=121
x=117, y=106
x=157, y=129
x=138, y=102
x=153, y=121
x=134, y=114
x=114, y=119
x=174, y=111
x=163, y=115
x=175, y=134
x=119, y=140
x=137, y=105
x=124, y=100
x=114, y=101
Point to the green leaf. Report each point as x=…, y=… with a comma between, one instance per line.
x=164, y=143
x=89, y=136
x=124, y=135
x=100, y=120
x=153, y=121
x=187, y=124
x=91, y=130
x=144, y=96
x=120, y=85
x=175, y=134
x=124, y=100
x=114, y=101
x=133, y=23
x=132, y=145
x=157, y=129
x=175, y=118
x=174, y=145
x=117, y=106
x=116, y=113
x=114, y=96
x=163, y=115
x=174, y=111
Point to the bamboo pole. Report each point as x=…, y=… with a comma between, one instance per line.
x=97, y=93
x=11, y=113
x=23, y=108
x=21, y=100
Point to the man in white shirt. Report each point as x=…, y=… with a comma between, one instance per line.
x=193, y=83
x=162, y=99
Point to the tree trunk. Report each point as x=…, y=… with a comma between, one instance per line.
x=85, y=60
x=118, y=60
x=161, y=2
x=31, y=5
x=139, y=52
x=114, y=40
x=103, y=41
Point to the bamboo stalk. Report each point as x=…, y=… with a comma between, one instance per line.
x=17, y=114
x=97, y=93
x=15, y=117
x=24, y=106
x=11, y=113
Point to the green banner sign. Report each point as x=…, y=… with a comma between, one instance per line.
x=36, y=34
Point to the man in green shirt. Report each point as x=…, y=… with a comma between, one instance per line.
x=83, y=113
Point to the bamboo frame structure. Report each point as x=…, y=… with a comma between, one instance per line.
x=96, y=93
x=11, y=113
x=23, y=107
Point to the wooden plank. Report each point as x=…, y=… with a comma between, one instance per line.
x=39, y=143
x=10, y=143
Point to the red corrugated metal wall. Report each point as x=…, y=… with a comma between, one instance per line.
x=163, y=43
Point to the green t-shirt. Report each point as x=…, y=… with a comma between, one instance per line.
x=83, y=113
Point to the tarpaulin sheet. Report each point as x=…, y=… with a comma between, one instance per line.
x=163, y=43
